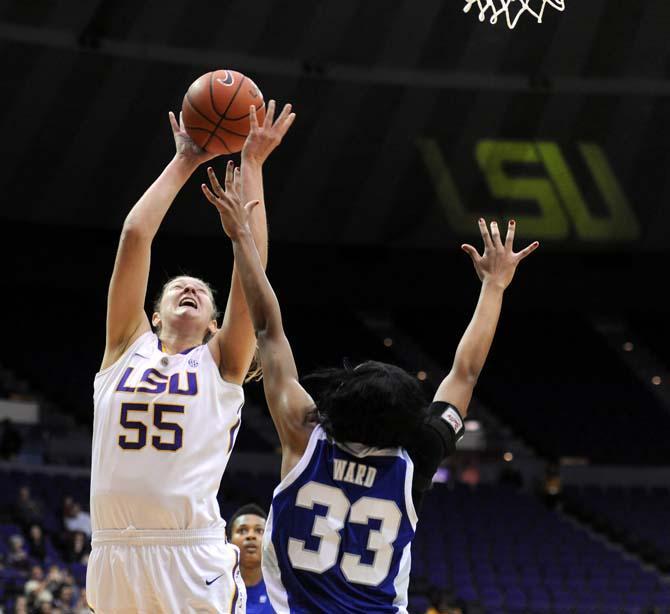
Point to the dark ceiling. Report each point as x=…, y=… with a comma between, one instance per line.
x=413, y=119
x=403, y=108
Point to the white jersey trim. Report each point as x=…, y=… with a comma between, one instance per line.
x=271, y=572
x=131, y=348
x=360, y=450
x=401, y=581
x=409, y=481
x=317, y=435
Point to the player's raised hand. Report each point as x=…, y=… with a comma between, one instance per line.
x=263, y=138
x=498, y=263
x=186, y=148
x=234, y=215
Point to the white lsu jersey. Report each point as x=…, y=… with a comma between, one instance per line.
x=163, y=430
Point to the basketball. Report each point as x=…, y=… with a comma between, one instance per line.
x=215, y=110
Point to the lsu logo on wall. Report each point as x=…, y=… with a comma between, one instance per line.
x=561, y=205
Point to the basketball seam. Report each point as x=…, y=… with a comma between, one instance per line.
x=198, y=111
x=234, y=119
x=216, y=136
x=231, y=132
x=198, y=129
x=222, y=117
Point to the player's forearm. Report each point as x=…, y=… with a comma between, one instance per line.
x=252, y=189
x=146, y=216
x=476, y=341
x=263, y=304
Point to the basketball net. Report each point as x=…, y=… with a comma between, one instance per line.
x=509, y=8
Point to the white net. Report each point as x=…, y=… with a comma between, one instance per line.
x=512, y=9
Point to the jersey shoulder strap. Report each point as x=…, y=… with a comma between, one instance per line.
x=318, y=434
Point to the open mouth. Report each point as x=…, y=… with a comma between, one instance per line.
x=188, y=302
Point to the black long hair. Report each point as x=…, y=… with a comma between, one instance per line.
x=375, y=403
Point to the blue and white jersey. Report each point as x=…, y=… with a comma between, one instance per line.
x=339, y=532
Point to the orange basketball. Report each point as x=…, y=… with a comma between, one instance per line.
x=216, y=110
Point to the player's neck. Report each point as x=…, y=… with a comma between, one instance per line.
x=251, y=575
x=173, y=343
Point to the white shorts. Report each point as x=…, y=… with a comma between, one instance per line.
x=164, y=571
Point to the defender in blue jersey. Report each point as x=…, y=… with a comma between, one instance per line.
x=356, y=462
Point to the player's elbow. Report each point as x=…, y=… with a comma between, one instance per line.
x=134, y=230
x=264, y=333
x=466, y=372
x=268, y=328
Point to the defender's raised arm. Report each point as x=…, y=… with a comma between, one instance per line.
x=495, y=268
x=235, y=342
x=289, y=403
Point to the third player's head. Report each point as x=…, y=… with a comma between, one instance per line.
x=246, y=528
x=375, y=403
x=186, y=307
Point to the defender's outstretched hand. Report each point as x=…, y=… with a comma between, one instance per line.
x=234, y=215
x=499, y=262
x=184, y=144
x=263, y=139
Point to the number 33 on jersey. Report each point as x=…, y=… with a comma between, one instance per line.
x=343, y=515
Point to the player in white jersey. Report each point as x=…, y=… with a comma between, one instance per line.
x=167, y=410
x=355, y=465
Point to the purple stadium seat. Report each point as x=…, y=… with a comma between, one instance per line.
x=497, y=541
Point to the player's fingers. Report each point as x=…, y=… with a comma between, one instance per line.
x=208, y=195
x=509, y=239
x=470, y=251
x=283, y=115
x=230, y=176
x=269, y=115
x=286, y=124
x=237, y=180
x=214, y=180
x=483, y=229
x=173, y=122
x=181, y=121
x=528, y=250
x=495, y=234
x=253, y=119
